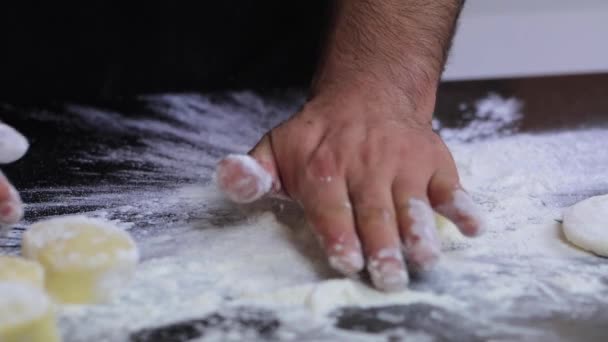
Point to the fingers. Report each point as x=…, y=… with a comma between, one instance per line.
x=329, y=212
x=13, y=145
x=417, y=225
x=451, y=201
x=246, y=178
x=11, y=207
x=377, y=228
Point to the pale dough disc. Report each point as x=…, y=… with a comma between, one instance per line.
x=17, y=269
x=586, y=224
x=26, y=314
x=85, y=260
x=13, y=145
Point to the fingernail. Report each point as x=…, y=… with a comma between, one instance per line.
x=387, y=270
x=11, y=212
x=465, y=213
x=348, y=263
x=242, y=178
x=422, y=246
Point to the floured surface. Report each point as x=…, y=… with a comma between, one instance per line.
x=254, y=272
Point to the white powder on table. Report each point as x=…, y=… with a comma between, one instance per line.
x=203, y=254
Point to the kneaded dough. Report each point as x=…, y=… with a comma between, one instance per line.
x=585, y=224
x=26, y=314
x=21, y=270
x=86, y=260
x=13, y=145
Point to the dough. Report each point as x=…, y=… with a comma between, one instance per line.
x=13, y=145
x=85, y=260
x=585, y=224
x=324, y=297
x=16, y=269
x=26, y=314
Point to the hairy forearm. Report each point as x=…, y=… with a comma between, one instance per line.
x=397, y=45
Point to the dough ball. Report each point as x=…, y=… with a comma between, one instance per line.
x=85, y=260
x=13, y=145
x=17, y=269
x=585, y=224
x=26, y=314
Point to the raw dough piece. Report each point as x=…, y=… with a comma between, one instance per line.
x=86, y=260
x=586, y=224
x=26, y=314
x=13, y=145
x=323, y=297
x=16, y=269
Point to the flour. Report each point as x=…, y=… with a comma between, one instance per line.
x=494, y=116
x=253, y=181
x=202, y=255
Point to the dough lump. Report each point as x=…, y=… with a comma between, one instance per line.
x=85, y=260
x=15, y=269
x=585, y=224
x=26, y=314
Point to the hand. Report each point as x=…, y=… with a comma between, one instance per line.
x=361, y=157
x=12, y=147
x=366, y=175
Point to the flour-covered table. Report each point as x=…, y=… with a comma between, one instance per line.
x=215, y=271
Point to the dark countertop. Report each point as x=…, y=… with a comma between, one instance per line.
x=71, y=168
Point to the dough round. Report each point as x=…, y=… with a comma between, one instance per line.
x=85, y=260
x=17, y=269
x=13, y=145
x=26, y=314
x=585, y=224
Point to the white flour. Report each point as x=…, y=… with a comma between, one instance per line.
x=201, y=254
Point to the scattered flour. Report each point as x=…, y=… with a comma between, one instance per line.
x=201, y=254
x=494, y=116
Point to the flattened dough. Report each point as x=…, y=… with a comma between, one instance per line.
x=26, y=314
x=85, y=260
x=586, y=224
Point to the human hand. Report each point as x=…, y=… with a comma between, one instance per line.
x=367, y=175
x=12, y=147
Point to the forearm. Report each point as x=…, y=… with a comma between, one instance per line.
x=399, y=46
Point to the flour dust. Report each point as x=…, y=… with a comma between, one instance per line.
x=230, y=272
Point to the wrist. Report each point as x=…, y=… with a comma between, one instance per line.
x=374, y=92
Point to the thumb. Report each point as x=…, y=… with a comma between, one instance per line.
x=246, y=178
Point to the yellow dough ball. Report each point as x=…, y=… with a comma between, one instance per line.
x=26, y=314
x=21, y=270
x=85, y=260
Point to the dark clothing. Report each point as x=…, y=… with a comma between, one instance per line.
x=103, y=50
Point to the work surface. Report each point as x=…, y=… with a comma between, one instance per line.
x=212, y=270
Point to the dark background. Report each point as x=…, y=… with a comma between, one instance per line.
x=95, y=50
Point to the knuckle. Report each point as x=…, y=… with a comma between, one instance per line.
x=373, y=215
x=323, y=163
